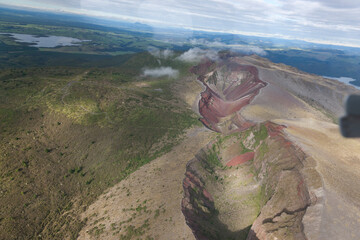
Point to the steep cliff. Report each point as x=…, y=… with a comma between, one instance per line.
x=229, y=87
x=271, y=192
x=259, y=179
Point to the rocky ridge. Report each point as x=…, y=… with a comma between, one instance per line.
x=284, y=177
x=285, y=184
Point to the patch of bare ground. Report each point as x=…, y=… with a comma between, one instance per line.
x=146, y=205
x=337, y=161
x=312, y=106
x=326, y=173
x=188, y=90
x=323, y=95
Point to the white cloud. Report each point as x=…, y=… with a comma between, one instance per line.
x=161, y=72
x=319, y=20
x=165, y=54
x=202, y=41
x=197, y=54
x=247, y=49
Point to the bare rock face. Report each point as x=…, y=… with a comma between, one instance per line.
x=282, y=215
x=229, y=87
x=264, y=185
x=198, y=204
x=281, y=171
x=280, y=175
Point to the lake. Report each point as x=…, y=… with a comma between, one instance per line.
x=345, y=80
x=45, y=42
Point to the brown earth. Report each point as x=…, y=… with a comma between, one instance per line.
x=311, y=127
x=337, y=161
x=148, y=201
x=296, y=187
x=241, y=159
x=228, y=88
x=121, y=211
x=271, y=193
x=308, y=193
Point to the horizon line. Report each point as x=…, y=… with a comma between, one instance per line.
x=123, y=18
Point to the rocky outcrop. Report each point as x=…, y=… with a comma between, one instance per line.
x=280, y=169
x=198, y=204
x=253, y=182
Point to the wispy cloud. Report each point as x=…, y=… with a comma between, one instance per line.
x=246, y=49
x=315, y=20
x=197, y=54
x=161, y=72
x=165, y=54
x=202, y=41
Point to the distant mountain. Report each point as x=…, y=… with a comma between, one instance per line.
x=321, y=59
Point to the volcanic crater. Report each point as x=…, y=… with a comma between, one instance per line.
x=229, y=88
x=253, y=181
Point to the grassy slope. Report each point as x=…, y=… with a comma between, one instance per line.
x=68, y=133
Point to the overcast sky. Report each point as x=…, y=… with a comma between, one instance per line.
x=322, y=21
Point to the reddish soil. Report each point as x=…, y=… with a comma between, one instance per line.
x=274, y=129
x=241, y=159
x=207, y=195
x=194, y=194
x=238, y=93
x=203, y=68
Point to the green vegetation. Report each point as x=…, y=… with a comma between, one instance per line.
x=220, y=182
x=103, y=40
x=244, y=149
x=211, y=159
x=125, y=228
x=260, y=199
x=77, y=120
x=131, y=231
x=262, y=150
x=260, y=135
x=7, y=117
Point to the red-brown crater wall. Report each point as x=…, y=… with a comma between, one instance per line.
x=239, y=93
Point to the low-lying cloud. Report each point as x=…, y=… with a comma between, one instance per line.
x=202, y=41
x=246, y=49
x=164, y=54
x=249, y=50
x=161, y=72
x=197, y=54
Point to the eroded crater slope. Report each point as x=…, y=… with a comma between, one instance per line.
x=268, y=193
x=229, y=87
x=261, y=178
